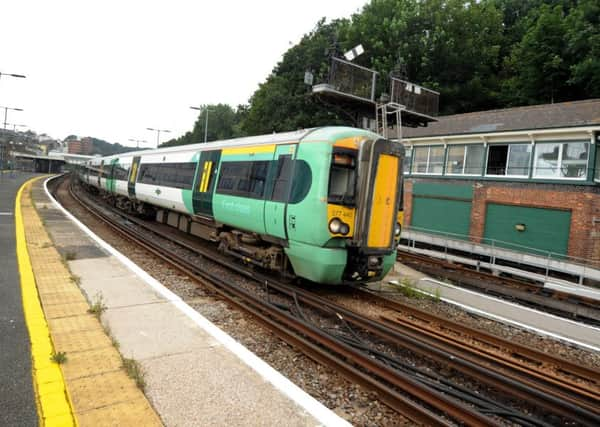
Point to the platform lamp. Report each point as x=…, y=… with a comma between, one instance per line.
x=206, y=119
x=19, y=76
x=138, y=141
x=158, y=131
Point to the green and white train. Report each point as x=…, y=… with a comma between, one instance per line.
x=323, y=204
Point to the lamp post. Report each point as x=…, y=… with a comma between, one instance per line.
x=205, y=120
x=137, y=141
x=158, y=131
x=15, y=126
x=6, y=113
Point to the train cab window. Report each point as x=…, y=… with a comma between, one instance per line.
x=342, y=179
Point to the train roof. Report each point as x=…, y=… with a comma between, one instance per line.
x=275, y=138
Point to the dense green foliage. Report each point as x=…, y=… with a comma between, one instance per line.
x=479, y=54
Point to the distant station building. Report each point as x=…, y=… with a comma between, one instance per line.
x=523, y=178
x=82, y=146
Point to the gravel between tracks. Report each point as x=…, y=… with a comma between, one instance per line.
x=348, y=400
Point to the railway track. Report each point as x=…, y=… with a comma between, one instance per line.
x=526, y=293
x=287, y=310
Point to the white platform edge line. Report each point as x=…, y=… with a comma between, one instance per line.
x=315, y=408
x=514, y=322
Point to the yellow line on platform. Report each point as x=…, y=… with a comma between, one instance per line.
x=54, y=406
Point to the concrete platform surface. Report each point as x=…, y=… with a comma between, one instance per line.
x=87, y=385
x=536, y=321
x=195, y=373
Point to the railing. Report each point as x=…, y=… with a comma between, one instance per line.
x=414, y=97
x=352, y=79
x=498, y=249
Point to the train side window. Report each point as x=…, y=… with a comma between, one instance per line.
x=282, y=179
x=244, y=179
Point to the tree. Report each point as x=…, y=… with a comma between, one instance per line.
x=223, y=123
x=540, y=71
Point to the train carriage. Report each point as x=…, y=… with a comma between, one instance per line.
x=323, y=204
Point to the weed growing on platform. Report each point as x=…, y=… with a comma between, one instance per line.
x=46, y=245
x=76, y=279
x=98, y=307
x=110, y=335
x=135, y=371
x=60, y=357
x=407, y=288
x=70, y=255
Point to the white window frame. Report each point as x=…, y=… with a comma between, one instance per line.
x=506, y=175
x=429, y=147
x=559, y=161
x=466, y=147
x=408, y=170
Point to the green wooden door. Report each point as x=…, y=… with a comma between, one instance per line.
x=451, y=217
x=519, y=228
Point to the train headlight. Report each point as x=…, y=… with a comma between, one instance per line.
x=397, y=230
x=344, y=229
x=335, y=225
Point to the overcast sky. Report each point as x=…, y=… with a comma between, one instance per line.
x=110, y=69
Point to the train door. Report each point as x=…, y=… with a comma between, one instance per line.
x=135, y=165
x=100, y=173
x=110, y=183
x=206, y=177
x=278, y=192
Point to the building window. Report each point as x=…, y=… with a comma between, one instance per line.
x=428, y=160
x=509, y=160
x=464, y=160
x=407, y=159
x=561, y=160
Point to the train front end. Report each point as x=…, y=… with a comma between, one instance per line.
x=365, y=204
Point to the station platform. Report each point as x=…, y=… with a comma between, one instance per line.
x=536, y=321
x=195, y=374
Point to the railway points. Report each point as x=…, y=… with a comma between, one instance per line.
x=547, y=324
x=152, y=229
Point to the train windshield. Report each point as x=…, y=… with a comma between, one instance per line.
x=342, y=179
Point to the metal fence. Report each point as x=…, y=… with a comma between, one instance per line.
x=352, y=79
x=414, y=97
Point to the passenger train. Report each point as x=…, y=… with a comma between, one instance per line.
x=323, y=204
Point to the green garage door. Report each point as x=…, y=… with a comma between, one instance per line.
x=441, y=215
x=537, y=228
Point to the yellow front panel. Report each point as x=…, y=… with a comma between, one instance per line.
x=343, y=213
x=384, y=202
x=351, y=143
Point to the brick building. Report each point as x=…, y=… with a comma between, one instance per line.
x=82, y=146
x=525, y=178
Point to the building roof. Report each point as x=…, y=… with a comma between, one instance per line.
x=534, y=117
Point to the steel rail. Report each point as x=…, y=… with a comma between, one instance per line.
x=272, y=284
x=537, y=357
x=413, y=411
